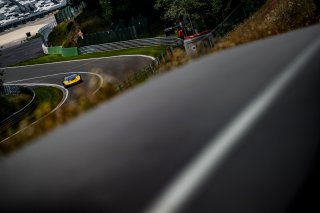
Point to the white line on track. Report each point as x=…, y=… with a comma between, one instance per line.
x=63, y=73
x=60, y=62
x=28, y=104
x=65, y=96
x=100, y=78
x=179, y=192
x=65, y=92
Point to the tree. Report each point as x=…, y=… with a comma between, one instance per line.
x=216, y=8
x=106, y=9
x=251, y=5
x=200, y=11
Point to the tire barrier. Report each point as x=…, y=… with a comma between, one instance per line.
x=16, y=117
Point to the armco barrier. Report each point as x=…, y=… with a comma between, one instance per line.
x=46, y=30
x=165, y=41
x=147, y=71
x=17, y=116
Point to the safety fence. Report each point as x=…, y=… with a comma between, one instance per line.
x=69, y=12
x=165, y=41
x=138, y=28
x=16, y=117
x=108, y=36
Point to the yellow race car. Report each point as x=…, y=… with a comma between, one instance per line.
x=72, y=80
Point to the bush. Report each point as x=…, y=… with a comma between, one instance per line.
x=274, y=17
x=59, y=34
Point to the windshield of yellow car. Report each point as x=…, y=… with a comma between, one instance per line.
x=70, y=78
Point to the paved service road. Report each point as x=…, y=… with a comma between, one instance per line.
x=236, y=131
x=22, y=52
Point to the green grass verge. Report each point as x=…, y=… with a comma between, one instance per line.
x=49, y=95
x=151, y=51
x=47, y=99
x=12, y=103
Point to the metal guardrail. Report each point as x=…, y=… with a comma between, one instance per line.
x=166, y=41
x=45, y=31
x=69, y=12
x=65, y=14
x=169, y=41
x=147, y=71
x=17, y=116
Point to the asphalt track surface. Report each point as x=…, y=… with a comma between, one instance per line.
x=110, y=69
x=236, y=131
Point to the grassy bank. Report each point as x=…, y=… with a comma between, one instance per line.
x=59, y=34
x=274, y=17
x=150, y=51
x=12, y=103
x=47, y=99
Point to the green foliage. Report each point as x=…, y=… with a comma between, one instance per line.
x=6, y=107
x=69, y=26
x=251, y=5
x=49, y=95
x=122, y=10
x=216, y=8
x=91, y=21
x=202, y=12
x=59, y=34
x=273, y=18
x=47, y=98
x=90, y=3
x=12, y=103
x=106, y=9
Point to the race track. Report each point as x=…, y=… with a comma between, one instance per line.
x=102, y=69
